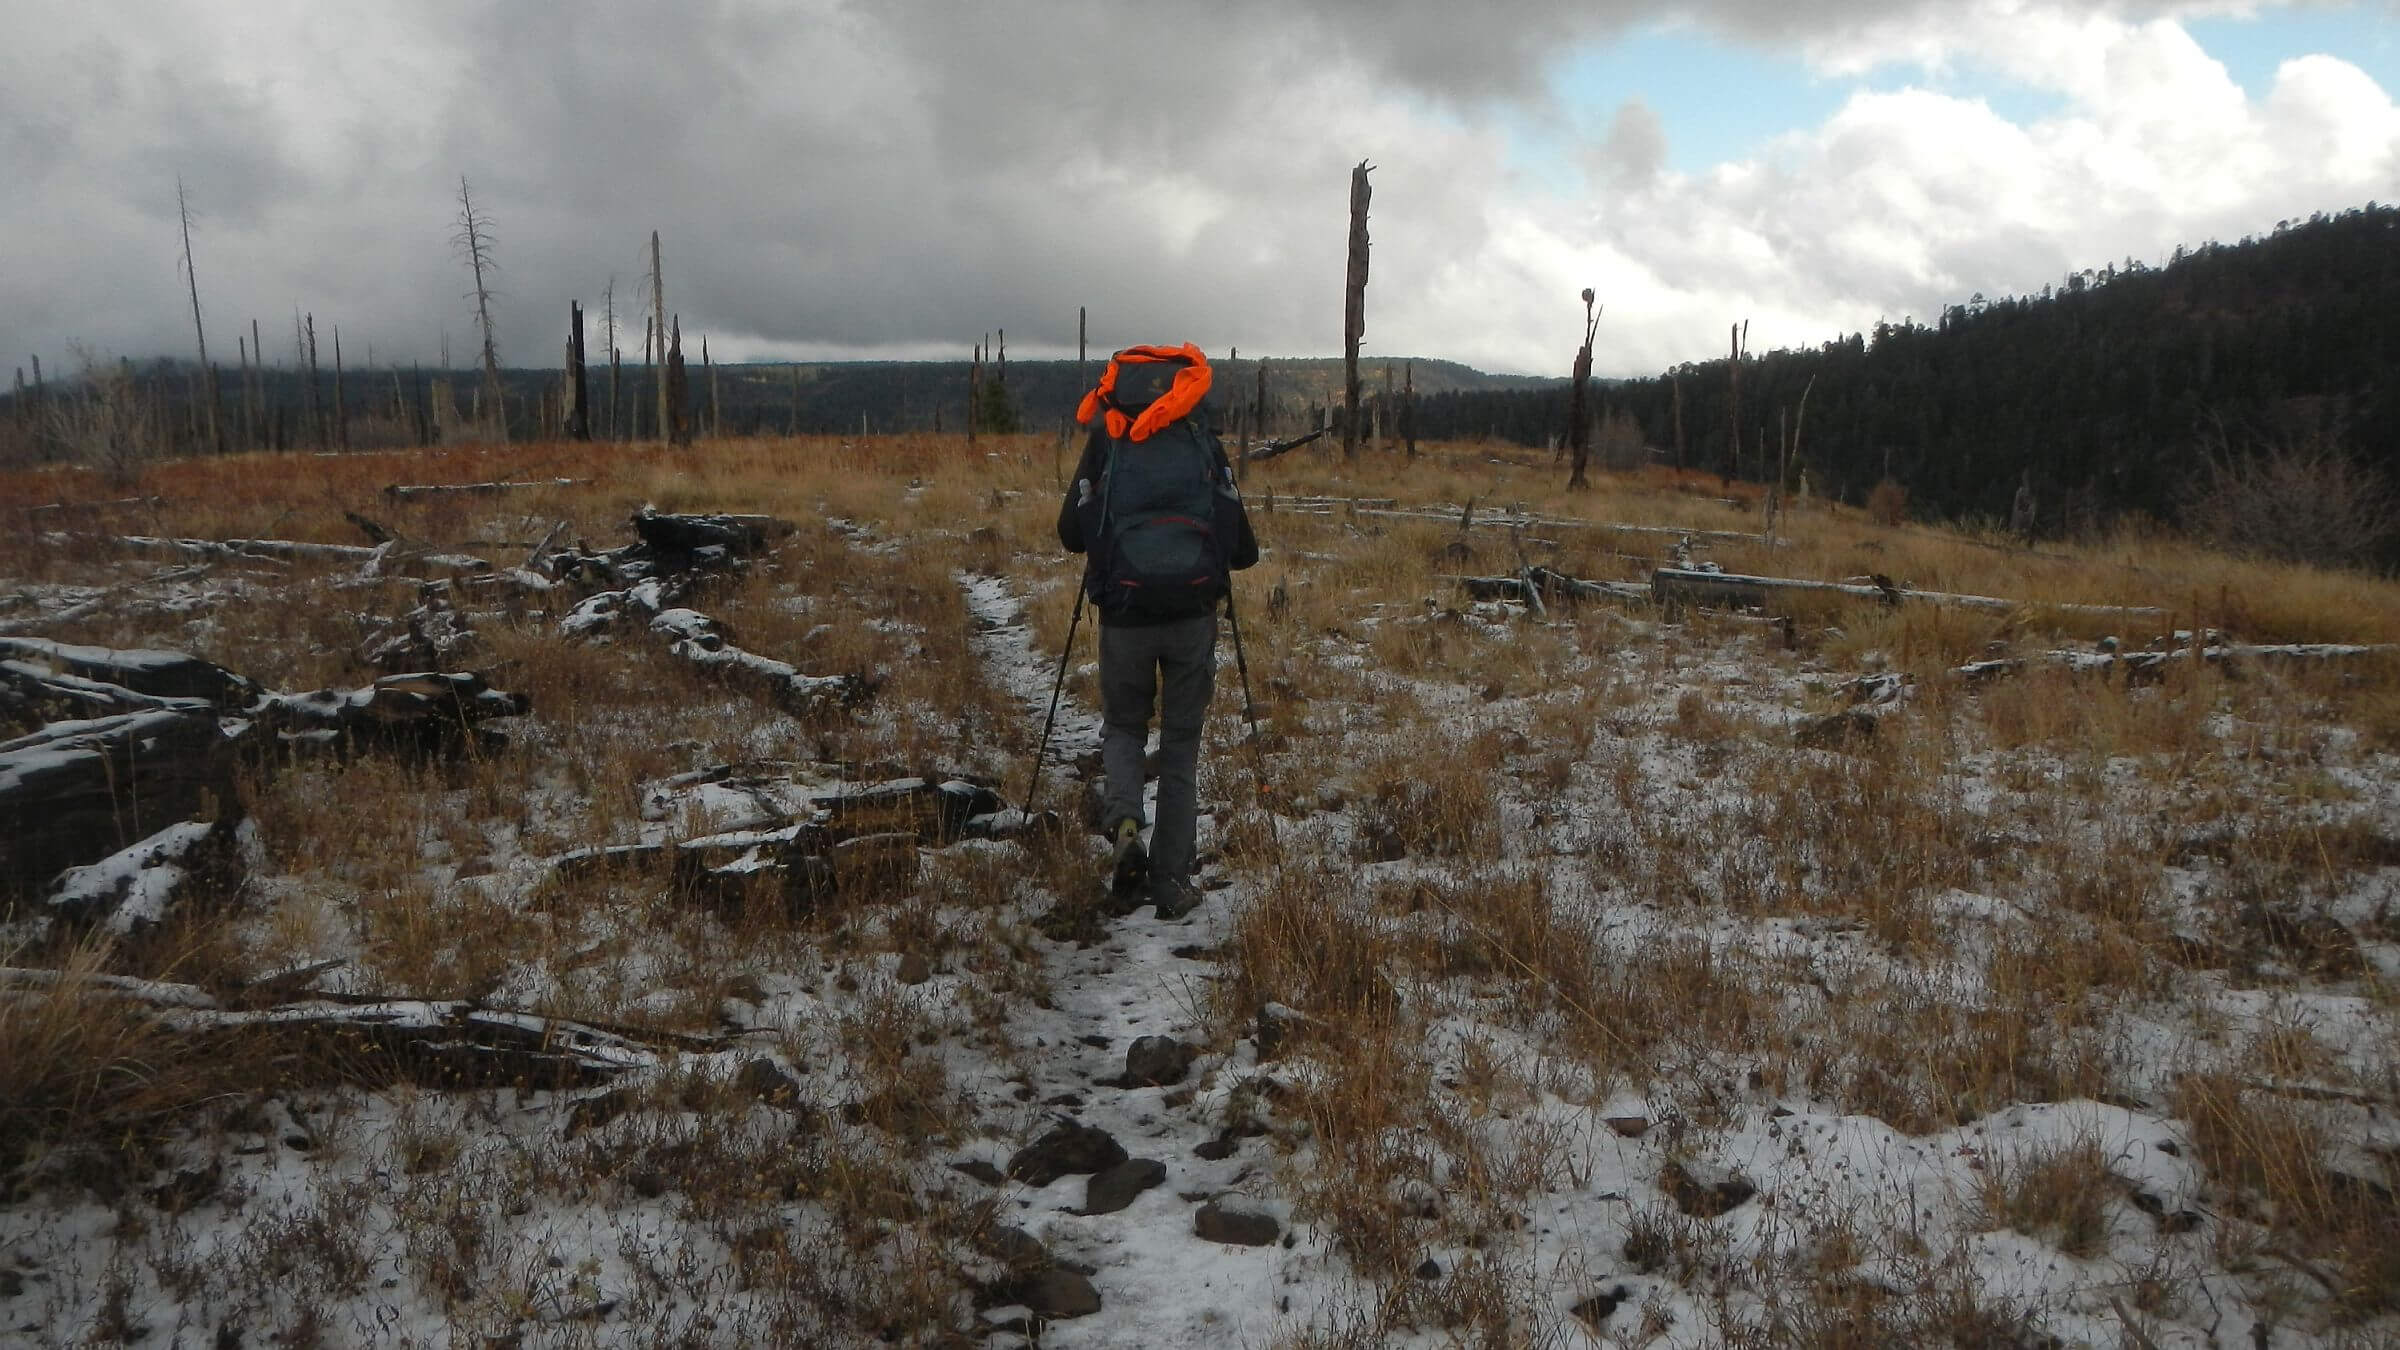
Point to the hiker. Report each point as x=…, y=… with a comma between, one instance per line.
x=1154, y=509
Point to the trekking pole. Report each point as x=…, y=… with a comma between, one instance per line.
x=1056, y=684
x=1241, y=663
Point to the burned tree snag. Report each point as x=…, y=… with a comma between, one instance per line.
x=1675, y=384
x=974, y=393
x=578, y=410
x=316, y=414
x=1354, y=306
x=1579, y=421
x=341, y=418
x=183, y=211
x=1408, y=407
x=474, y=243
x=716, y=409
x=1740, y=338
x=658, y=323
x=678, y=427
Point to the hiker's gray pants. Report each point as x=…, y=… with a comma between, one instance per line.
x=1174, y=667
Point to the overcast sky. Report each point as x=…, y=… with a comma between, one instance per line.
x=896, y=177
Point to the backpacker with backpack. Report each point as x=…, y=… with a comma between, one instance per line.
x=1161, y=521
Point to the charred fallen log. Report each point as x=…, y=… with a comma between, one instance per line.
x=418, y=491
x=163, y=674
x=435, y=1042
x=76, y=792
x=1673, y=587
x=425, y=710
x=739, y=536
x=859, y=844
x=701, y=640
x=136, y=889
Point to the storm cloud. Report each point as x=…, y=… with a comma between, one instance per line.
x=838, y=179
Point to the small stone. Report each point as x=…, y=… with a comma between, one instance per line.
x=1059, y=1292
x=1020, y=1250
x=1112, y=1189
x=980, y=1170
x=1430, y=1270
x=1276, y=1023
x=765, y=1080
x=1217, y=1149
x=1628, y=1127
x=648, y=1184
x=1158, y=1060
x=1594, y=1311
x=1064, y=1151
x=1705, y=1191
x=1235, y=1223
x=914, y=969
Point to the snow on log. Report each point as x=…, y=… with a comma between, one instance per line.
x=428, y=709
x=2142, y=666
x=408, y=491
x=1553, y=584
x=740, y=536
x=76, y=792
x=428, y=637
x=134, y=889
x=165, y=675
x=701, y=640
x=1732, y=590
x=435, y=1042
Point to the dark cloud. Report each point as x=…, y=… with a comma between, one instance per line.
x=832, y=175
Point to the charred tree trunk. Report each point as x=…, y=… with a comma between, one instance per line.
x=1579, y=422
x=1408, y=407
x=341, y=418
x=1354, y=306
x=578, y=411
x=716, y=409
x=658, y=323
x=679, y=418
x=1740, y=336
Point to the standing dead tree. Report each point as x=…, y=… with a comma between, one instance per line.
x=316, y=410
x=679, y=422
x=608, y=304
x=183, y=212
x=1579, y=421
x=1733, y=414
x=1354, y=306
x=578, y=417
x=658, y=322
x=474, y=243
x=1408, y=407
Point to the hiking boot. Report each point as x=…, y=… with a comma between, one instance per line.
x=1173, y=897
x=1129, y=863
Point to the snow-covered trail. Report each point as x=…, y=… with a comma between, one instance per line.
x=1160, y=1283
x=1003, y=640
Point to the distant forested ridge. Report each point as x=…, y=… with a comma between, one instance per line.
x=2105, y=391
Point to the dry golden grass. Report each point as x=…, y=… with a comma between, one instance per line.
x=1602, y=852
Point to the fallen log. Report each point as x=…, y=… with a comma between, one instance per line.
x=47, y=695
x=445, y=1043
x=430, y=636
x=1259, y=453
x=162, y=674
x=699, y=639
x=1553, y=584
x=739, y=536
x=859, y=843
x=135, y=889
x=1675, y=587
x=408, y=491
x=76, y=792
x=429, y=710
x=2140, y=667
